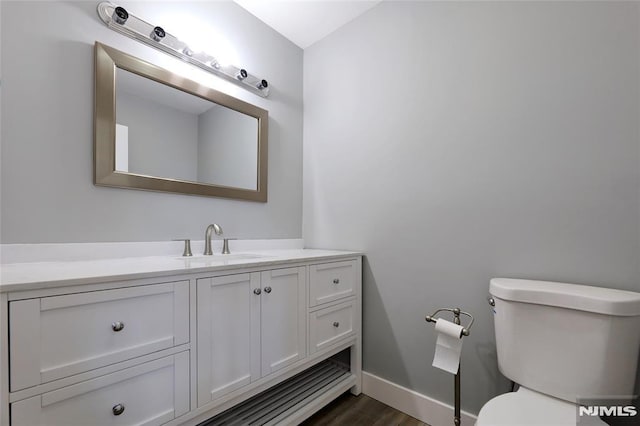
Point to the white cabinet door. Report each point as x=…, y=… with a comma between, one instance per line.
x=149, y=394
x=283, y=318
x=58, y=336
x=331, y=281
x=228, y=334
x=329, y=325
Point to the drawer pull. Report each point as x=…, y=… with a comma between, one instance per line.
x=117, y=326
x=118, y=409
x=267, y=289
x=336, y=324
x=336, y=281
x=257, y=291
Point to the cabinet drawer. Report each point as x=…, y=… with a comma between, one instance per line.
x=331, y=281
x=148, y=394
x=59, y=336
x=327, y=326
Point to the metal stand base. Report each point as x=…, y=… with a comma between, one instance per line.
x=456, y=380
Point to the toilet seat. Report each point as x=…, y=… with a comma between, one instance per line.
x=529, y=408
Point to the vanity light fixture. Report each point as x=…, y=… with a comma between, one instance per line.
x=158, y=34
x=201, y=57
x=119, y=19
x=120, y=15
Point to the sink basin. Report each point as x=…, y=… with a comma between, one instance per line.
x=222, y=257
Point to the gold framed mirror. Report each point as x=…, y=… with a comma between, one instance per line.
x=158, y=131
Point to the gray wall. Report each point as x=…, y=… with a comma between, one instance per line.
x=453, y=142
x=163, y=141
x=228, y=148
x=47, y=126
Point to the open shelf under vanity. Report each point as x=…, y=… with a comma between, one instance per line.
x=292, y=400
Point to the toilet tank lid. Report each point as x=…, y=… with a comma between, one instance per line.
x=573, y=296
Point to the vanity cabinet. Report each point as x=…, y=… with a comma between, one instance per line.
x=180, y=346
x=249, y=325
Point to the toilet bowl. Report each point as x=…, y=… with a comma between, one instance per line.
x=530, y=408
x=563, y=344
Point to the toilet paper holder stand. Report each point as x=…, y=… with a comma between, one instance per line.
x=465, y=332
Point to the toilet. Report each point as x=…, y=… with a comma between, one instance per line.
x=561, y=343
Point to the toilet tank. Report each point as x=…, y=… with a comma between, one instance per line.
x=567, y=340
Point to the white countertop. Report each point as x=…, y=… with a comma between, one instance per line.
x=39, y=275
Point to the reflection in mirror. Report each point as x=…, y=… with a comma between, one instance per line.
x=158, y=131
x=165, y=132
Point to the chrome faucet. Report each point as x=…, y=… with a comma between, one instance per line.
x=214, y=227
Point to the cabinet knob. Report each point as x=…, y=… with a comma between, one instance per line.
x=117, y=326
x=267, y=289
x=118, y=409
x=336, y=324
x=257, y=291
x=336, y=281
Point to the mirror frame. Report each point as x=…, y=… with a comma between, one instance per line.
x=107, y=59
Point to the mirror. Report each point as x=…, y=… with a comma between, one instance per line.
x=158, y=131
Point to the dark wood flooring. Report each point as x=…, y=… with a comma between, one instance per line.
x=349, y=410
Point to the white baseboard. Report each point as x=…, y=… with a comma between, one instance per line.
x=423, y=408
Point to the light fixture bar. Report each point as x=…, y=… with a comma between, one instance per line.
x=119, y=19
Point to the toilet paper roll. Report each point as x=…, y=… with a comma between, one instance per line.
x=449, y=328
x=448, y=346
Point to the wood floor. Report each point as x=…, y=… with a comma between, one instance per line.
x=349, y=410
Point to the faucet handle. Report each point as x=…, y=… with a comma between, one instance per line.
x=225, y=245
x=187, y=246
